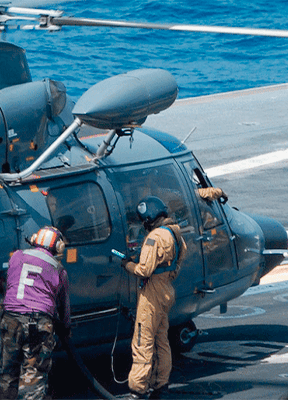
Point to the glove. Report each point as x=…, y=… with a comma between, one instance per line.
x=124, y=262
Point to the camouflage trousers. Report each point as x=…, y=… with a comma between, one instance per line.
x=25, y=355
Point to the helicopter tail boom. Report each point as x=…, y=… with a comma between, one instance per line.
x=275, y=242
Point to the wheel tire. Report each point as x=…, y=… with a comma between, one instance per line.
x=183, y=337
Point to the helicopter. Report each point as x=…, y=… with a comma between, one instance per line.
x=84, y=167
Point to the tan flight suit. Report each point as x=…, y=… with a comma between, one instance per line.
x=152, y=362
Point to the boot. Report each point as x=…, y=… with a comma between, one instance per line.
x=136, y=396
x=160, y=393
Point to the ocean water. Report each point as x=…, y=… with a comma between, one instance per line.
x=201, y=63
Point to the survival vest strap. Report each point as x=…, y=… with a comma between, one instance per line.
x=166, y=266
x=44, y=257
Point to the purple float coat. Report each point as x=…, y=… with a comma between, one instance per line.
x=37, y=282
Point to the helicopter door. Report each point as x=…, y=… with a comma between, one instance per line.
x=8, y=231
x=217, y=240
x=162, y=179
x=89, y=218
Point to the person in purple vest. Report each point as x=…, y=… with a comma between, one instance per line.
x=37, y=294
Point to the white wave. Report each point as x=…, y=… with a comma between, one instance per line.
x=35, y=3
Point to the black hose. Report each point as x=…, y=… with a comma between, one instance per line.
x=94, y=384
x=6, y=164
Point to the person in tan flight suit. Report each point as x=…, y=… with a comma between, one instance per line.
x=159, y=264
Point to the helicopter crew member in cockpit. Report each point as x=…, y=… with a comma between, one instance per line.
x=36, y=289
x=159, y=264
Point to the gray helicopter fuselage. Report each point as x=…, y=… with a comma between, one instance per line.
x=91, y=197
x=94, y=205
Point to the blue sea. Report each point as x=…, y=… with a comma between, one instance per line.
x=202, y=63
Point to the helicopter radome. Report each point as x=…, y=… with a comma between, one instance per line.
x=141, y=93
x=83, y=168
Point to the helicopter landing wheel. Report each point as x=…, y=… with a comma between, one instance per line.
x=183, y=337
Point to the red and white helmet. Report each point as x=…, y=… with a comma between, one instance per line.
x=49, y=238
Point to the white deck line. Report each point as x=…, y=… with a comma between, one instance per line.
x=249, y=163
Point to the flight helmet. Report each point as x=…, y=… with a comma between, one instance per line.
x=49, y=238
x=150, y=208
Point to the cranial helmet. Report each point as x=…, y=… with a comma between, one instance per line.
x=151, y=208
x=50, y=239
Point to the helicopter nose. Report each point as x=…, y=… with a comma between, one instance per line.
x=275, y=238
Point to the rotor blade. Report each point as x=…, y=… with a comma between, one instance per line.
x=6, y=18
x=32, y=11
x=51, y=18
x=62, y=21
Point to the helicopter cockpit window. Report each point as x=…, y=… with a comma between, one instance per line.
x=80, y=213
x=160, y=181
x=209, y=210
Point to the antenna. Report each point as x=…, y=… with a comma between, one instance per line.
x=189, y=134
x=186, y=137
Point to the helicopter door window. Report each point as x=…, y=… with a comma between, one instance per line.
x=209, y=210
x=80, y=213
x=161, y=181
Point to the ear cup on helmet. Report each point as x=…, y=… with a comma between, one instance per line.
x=33, y=238
x=60, y=246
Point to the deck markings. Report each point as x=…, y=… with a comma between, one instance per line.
x=249, y=163
x=240, y=352
x=233, y=312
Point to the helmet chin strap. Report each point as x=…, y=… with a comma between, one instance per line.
x=28, y=241
x=149, y=226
